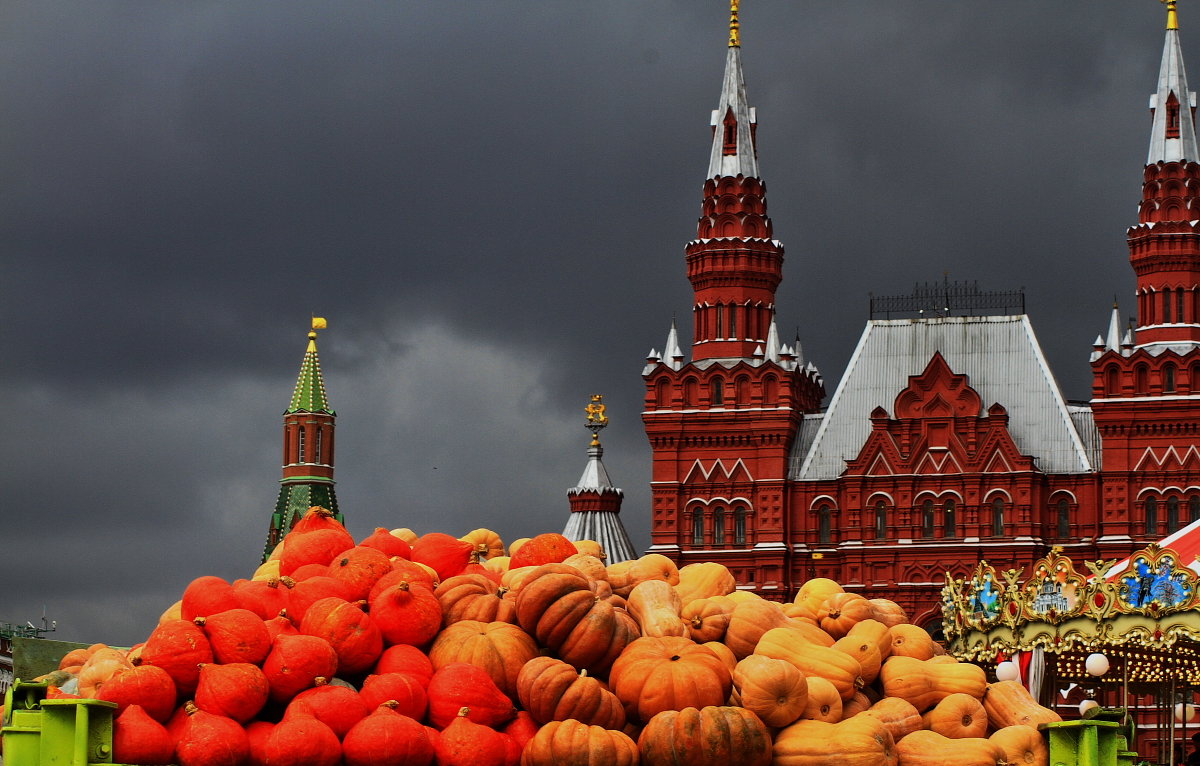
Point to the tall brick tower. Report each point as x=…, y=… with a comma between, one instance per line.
x=721, y=425
x=308, y=425
x=1146, y=384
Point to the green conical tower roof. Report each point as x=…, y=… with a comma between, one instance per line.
x=309, y=395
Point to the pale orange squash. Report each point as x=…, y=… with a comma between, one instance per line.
x=888, y=612
x=911, y=641
x=485, y=542
x=102, y=665
x=824, y=703
x=707, y=618
x=1022, y=745
x=705, y=579
x=925, y=684
x=774, y=690
x=800, y=612
x=841, y=611
x=897, y=715
x=928, y=748
x=813, y=592
x=590, y=565
x=877, y=632
x=865, y=651
x=655, y=606
x=857, y=741
x=748, y=621
x=959, y=716
x=591, y=548
x=837, y=667
x=1008, y=703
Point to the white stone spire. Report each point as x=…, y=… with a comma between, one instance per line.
x=1113, y=342
x=733, y=123
x=672, y=354
x=772, y=350
x=1173, y=135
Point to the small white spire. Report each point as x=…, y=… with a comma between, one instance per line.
x=1113, y=343
x=672, y=354
x=772, y=352
x=1173, y=135
x=1127, y=341
x=653, y=355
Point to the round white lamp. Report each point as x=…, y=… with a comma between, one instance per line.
x=1096, y=664
x=1184, y=712
x=1087, y=705
x=1008, y=671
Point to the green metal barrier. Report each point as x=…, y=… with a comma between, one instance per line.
x=1101, y=738
x=55, y=732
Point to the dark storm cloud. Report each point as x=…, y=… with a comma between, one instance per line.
x=489, y=202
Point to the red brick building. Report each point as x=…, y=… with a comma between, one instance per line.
x=947, y=439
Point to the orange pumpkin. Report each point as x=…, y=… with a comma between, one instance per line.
x=703, y=580
x=500, y=648
x=485, y=542
x=911, y=641
x=877, y=632
x=709, y=736
x=1022, y=745
x=958, y=716
x=475, y=597
x=578, y=744
x=749, y=620
x=842, y=611
x=865, y=651
x=707, y=618
x=668, y=673
x=824, y=702
x=99, y=668
x=774, y=690
x=813, y=592
x=552, y=690
x=888, y=612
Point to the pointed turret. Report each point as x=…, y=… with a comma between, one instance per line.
x=733, y=121
x=1173, y=137
x=1164, y=247
x=595, y=502
x=308, y=426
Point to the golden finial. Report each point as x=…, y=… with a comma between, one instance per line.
x=1172, y=16
x=735, y=40
x=596, y=419
x=318, y=323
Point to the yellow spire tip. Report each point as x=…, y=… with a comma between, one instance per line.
x=735, y=40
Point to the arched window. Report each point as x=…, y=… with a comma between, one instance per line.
x=824, y=524
x=718, y=526
x=1064, y=518
x=998, y=517
x=691, y=392
x=300, y=444
x=1112, y=381
x=949, y=522
x=1172, y=513
x=317, y=447
x=1179, y=305
x=927, y=519
x=698, y=527
x=741, y=390
x=739, y=525
x=662, y=392
x=733, y=312
x=1169, y=378
x=1166, y=305
x=717, y=392
x=880, y=520
x=1141, y=378
x=720, y=321
x=1151, y=516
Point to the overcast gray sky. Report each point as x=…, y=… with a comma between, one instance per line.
x=488, y=200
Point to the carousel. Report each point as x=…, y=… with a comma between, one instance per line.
x=1123, y=635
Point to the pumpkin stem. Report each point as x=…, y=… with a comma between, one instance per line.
x=320, y=681
x=199, y=621
x=287, y=582
x=190, y=708
x=390, y=704
x=463, y=712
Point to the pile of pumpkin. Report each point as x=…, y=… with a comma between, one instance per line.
x=406, y=650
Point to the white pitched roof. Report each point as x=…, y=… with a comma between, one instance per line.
x=999, y=355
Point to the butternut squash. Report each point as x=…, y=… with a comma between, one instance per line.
x=1008, y=703
x=824, y=703
x=857, y=741
x=897, y=715
x=925, y=684
x=959, y=716
x=1022, y=745
x=705, y=579
x=826, y=662
x=654, y=605
x=928, y=748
